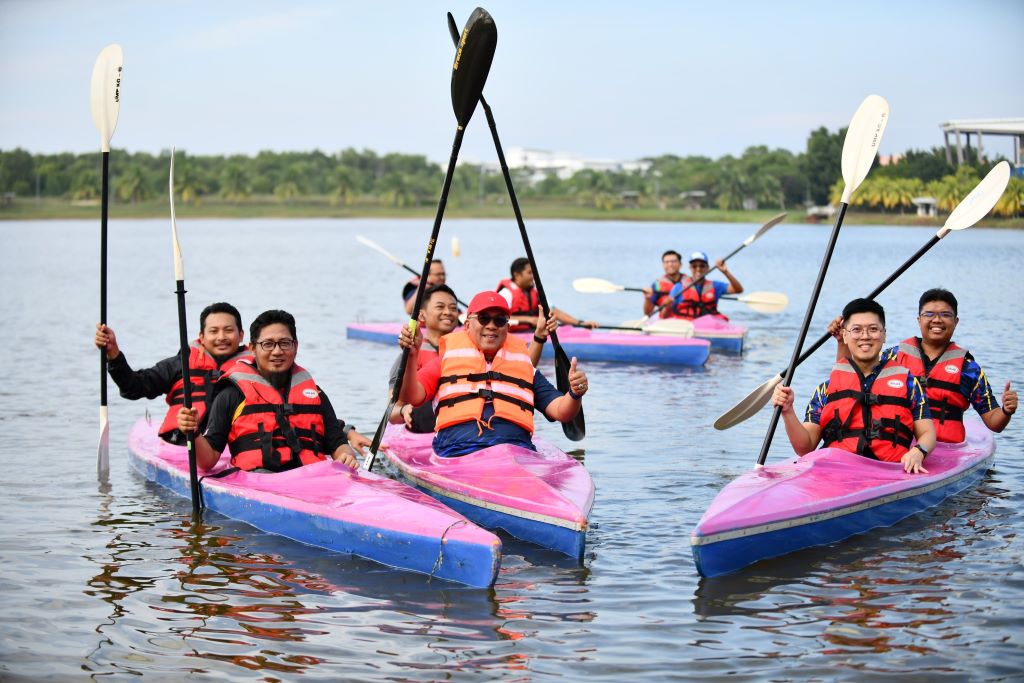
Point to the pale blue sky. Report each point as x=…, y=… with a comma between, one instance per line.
x=603, y=79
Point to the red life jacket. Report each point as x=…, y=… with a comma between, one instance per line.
x=466, y=382
x=662, y=286
x=942, y=386
x=203, y=372
x=878, y=424
x=270, y=432
x=694, y=303
x=524, y=302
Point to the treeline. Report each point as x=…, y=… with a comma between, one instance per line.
x=760, y=177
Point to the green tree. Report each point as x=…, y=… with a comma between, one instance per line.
x=132, y=186
x=822, y=162
x=234, y=182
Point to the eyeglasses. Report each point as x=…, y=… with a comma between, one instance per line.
x=945, y=315
x=485, y=319
x=269, y=344
x=871, y=332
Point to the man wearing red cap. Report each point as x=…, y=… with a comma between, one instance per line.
x=485, y=384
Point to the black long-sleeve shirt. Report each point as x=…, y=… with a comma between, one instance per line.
x=147, y=383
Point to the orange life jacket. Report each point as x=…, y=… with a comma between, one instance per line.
x=270, y=432
x=524, y=302
x=694, y=303
x=941, y=385
x=878, y=424
x=203, y=372
x=466, y=382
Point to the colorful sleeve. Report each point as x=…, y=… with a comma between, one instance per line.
x=656, y=292
x=890, y=354
x=918, y=403
x=974, y=384
x=818, y=400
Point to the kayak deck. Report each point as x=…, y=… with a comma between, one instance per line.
x=582, y=343
x=826, y=496
x=541, y=497
x=326, y=504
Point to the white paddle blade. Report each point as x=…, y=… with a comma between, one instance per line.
x=105, y=92
x=765, y=228
x=103, y=451
x=675, y=327
x=595, y=285
x=749, y=406
x=981, y=199
x=766, y=302
x=179, y=267
x=376, y=247
x=862, y=140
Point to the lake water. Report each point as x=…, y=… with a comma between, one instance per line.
x=114, y=581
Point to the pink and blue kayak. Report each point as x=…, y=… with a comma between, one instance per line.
x=826, y=496
x=541, y=497
x=584, y=344
x=723, y=335
x=326, y=504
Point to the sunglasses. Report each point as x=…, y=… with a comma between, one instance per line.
x=486, y=319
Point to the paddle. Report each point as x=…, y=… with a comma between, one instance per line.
x=179, y=277
x=469, y=73
x=973, y=208
x=775, y=220
x=105, y=102
x=763, y=302
x=394, y=259
x=859, y=149
x=575, y=429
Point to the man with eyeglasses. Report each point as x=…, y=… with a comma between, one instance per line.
x=953, y=380
x=485, y=383
x=210, y=355
x=868, y=405
x=523, y=300
x=269, y=411
x=657, y=293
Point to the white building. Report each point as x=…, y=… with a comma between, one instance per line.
x=544, y=163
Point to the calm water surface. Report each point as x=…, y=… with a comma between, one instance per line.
x=115, y=580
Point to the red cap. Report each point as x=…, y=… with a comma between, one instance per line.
x=485, y=300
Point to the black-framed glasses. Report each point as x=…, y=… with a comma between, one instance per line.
x=945, y=315
x=269, y=344
x=486, y=319
x=871, y=331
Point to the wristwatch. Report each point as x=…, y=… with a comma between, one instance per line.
x=922, y=449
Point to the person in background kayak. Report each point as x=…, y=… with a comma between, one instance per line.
x=657, y=293
x=951, y=377
x=868, y=405
x=692, y=302
x=436, y=276
x=218, y=346
x=268, y=410
x=438, y=317
x=486, y=386
x=524, y=302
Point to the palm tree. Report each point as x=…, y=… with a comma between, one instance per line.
x=234, y=182
x=86, y=185
x=132, y=186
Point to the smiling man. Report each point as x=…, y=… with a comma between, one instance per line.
x=692, y=302
x=218, y=346
x=485, y=382
x=868, y=405
x=269, y=411
x=952, y=379
x=657, y=293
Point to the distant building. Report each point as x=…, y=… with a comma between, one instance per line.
x=926, y=206
x=693, y=199
x=1013, y=128
x=545, y=163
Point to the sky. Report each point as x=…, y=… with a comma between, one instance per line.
x=606, y=80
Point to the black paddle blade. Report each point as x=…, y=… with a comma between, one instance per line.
x=453, y=29
x=575, y=429
x=472, y=64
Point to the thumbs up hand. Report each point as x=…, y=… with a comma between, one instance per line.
x=577, y=379
x=1009, y=400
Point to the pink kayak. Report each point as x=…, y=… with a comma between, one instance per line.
x=584, y=344
x=326, y=504
x=541, y=497
x=826, y=496
x=723, y=335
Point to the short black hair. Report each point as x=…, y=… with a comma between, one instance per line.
x=519, y=265
x=864, y=306
x=937, y=294
x=272, y=317
x=672, y=252
x=434, y=289
x=219, y=307
x=437, y=260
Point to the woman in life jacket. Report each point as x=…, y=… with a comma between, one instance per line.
x=868, y=406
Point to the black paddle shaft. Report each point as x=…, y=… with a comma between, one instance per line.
x=793, y=361
x=103, y=272
x=193, y=471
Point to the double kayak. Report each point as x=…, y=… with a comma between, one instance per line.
x=542, y=497
x=326, y=504
x=826, y=496
x=716, y=329
x=584, y=344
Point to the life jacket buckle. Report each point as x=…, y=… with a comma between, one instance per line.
x=486, y=394
x=870, y=399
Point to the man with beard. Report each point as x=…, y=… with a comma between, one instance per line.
x=269, y=411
